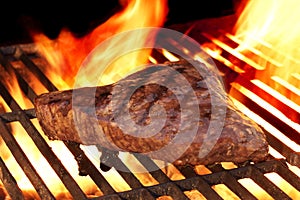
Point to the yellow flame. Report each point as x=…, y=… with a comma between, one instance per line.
x=272, y=27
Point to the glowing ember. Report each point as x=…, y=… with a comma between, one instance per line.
x=272, y=28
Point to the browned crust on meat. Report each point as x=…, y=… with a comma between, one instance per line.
x=241, y=139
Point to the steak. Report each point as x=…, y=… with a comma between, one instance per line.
x=173, y=112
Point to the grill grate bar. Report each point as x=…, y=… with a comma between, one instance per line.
x=249, y=74
x=56, y=164
x=262, y=111
x=134, y=183
x=22, y=83
x=267, y=114
x=256, y=173
x=43, y=147
x=158, y=174
x=9, y=182
x=201, y=185
x=139, y=193
x=108, y=197
x=232, y=183
x=111, y=159
x=87, y=168
x=280, y=167
x=34, y=69
x=197, y=182
x=187, y=171
x=130, y=179
x=243, y=79
x=13, y=116
x=267, y=185
x=81, y=158
x=166, y=187
x=283, y=149
x=24, y=163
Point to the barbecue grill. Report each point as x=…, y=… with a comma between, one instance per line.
x=249, y=180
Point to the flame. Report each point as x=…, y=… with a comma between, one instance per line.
x=268, y=33
x=272, y=28
x=65, y=55
x=67, y=52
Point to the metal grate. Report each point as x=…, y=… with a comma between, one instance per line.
x=165, y=186
x=240, y=72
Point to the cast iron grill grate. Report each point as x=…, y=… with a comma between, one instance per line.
x=27, y=57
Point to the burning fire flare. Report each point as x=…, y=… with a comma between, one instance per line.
x=67, y=52
x=272, y=29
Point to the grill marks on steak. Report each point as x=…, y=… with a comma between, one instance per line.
x=241, y=139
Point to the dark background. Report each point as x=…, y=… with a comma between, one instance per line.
x=16, y=19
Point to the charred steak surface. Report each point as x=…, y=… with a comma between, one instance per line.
x=240, y=140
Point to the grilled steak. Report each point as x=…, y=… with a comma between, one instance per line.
x=163, y=123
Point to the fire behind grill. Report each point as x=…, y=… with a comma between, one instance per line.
x=19, y=60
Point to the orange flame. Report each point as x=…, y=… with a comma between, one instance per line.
x=66, y=53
